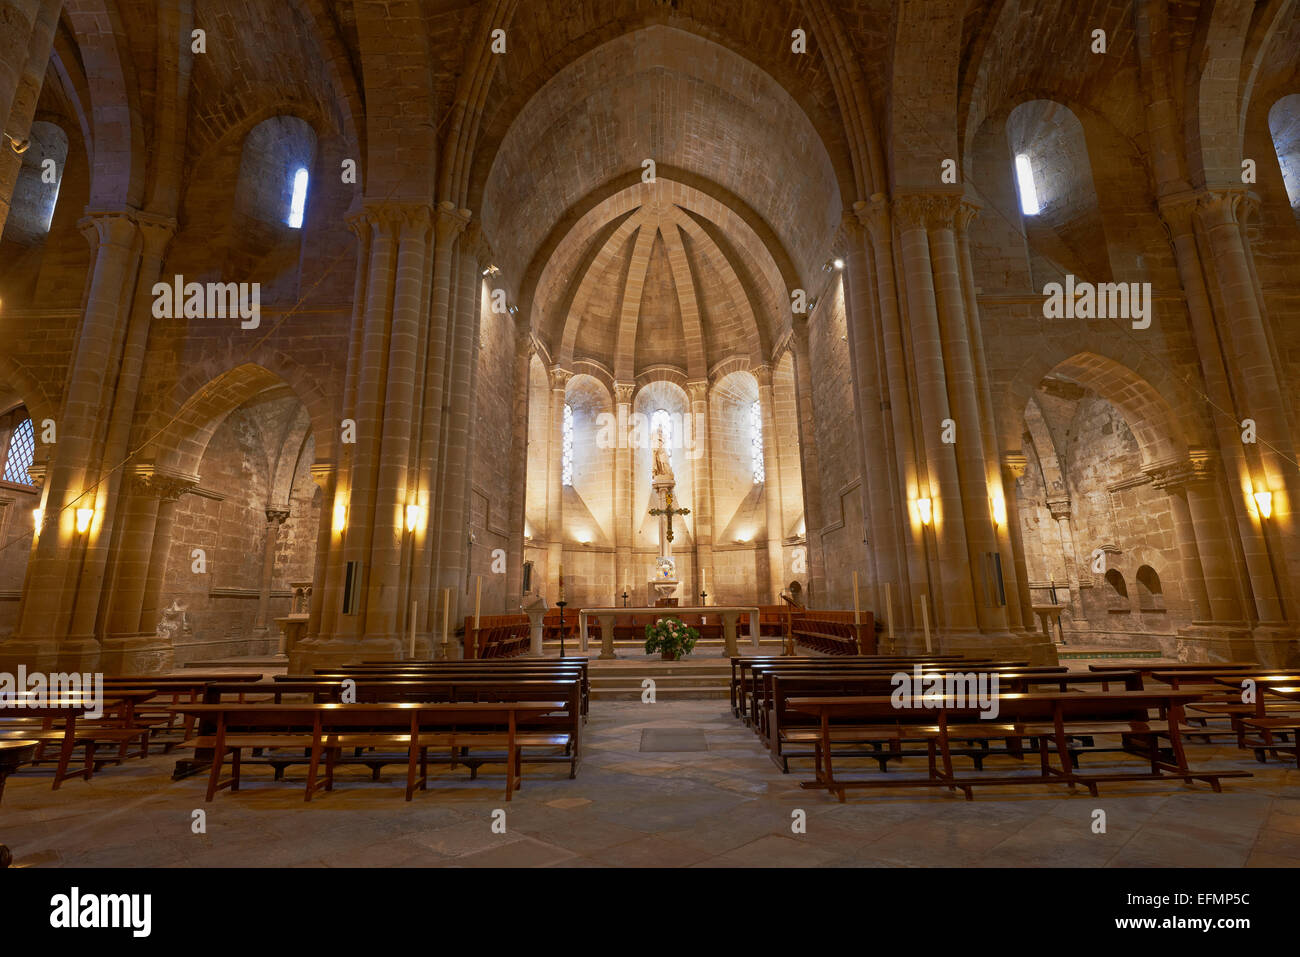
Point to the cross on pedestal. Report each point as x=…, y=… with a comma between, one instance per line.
x=669, y=511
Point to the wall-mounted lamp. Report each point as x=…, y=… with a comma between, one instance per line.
x=513, y=310
x=38, y=516
x=923, y=509
x=340, y=518
x=999, y=509
x=491, y=270
x=1264, y=502
x=18, y=146
x=84, y=515
x=414, y=517
x=836, y=263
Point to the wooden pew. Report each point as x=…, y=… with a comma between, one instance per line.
x=740, y=666
x=497, y=636
x=326, y=729
x=1054, y=718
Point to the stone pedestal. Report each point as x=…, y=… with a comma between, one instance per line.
x=534, y=606
x=292, y=629
x=606, y=635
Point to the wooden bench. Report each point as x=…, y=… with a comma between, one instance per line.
x=1056, y=719
x=325, y=729
x=497, y=636
x=64, y=723
x=741, y=666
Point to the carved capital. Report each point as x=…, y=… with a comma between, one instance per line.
x=1224, y=206
x=109, y=228
x=450, y=222
x=763, y=374
x=928, y=210
x=875, y=215
x=559, y=378
x=1174, y=476
x=276, y=517
x=1059, y=508
x=322, y=473
x=1014, y=465
x=623, y=392
x=1177, y=213
x=698, y=390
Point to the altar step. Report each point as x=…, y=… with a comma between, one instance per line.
x=635, y=648
x=623, y=679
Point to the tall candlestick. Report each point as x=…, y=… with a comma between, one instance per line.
x=889, y=612
x=857, y=607
x=478, y=598
x=413, y=608
x=561, y=583
x=446, y=617
x=925, y=619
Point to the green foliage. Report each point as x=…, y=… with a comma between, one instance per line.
x=671, y=635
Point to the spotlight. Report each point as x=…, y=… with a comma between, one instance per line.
x=491, y=270
x=923, y=509
x=837, y=262
x=38, y=516
x=84, y=515
x=999, y=510
x=18, y=146
x=340, y=518
x=414, y=517
x=1264, y=501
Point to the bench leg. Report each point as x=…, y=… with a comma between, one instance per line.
x=235, y=758
x=214, y=776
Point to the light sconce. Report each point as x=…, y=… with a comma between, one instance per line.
x=84, y=515
x=18, y=146
x=923, y=509
x=340, y=518
x=38, y=516
x=999, y=510
x=414, y=517
x=1264, y=502
x=836, y=263
x=513, y=310
x=491, y=270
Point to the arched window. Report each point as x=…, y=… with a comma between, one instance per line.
x=566, y=459
x=22, y=451
x=1284, y=125
x=299, y=201
x=662, y=420
x=1025, y=182
x=756, y=443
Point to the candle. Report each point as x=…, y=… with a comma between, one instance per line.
x=925, y=620
x=478, y=598
x=413, y=607
x=561, y=583
x=889, y=612
x=446, y=615
x=857, y=607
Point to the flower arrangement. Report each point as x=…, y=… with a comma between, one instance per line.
x=671, y=637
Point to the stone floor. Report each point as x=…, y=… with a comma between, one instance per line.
x=636, y=803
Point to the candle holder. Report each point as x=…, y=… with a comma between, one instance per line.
x=625, y=598
x=560, y=605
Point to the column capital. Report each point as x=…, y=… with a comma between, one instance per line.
x=1177, y=213
x=450, y=221
x=763, y=374
x=1225, y=206
x=559, y=378
x=623, y=392
x=162, y=485
x=321, y=473
x=277, y=516
x=1014, y=464
x=109, y=227
x=874, y=215
x=1176, y=475
x=929, y=210
x=698, y=389
x=157, y=233
x=1059, y=508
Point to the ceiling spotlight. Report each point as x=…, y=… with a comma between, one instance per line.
x=513, y=310
x=837, y=262
x=18, y=146
x=491, y=270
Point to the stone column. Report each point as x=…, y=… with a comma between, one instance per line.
x=396, y=484
x=1180, y=215
x=143, y=491
x=554, y=488
x=810, y=468
x=31, y=22
x=323, y=474
x=1172, y=480
x=518, y=469
x=56, y=563
x=275, y=518
x=624, y=522
x=1254, y=377
x=954, y=598
x=702, y=482
x=870, y=394
x=771, y=486
x=1060, y=512
x=877, y=216
x=1013, y=469
x=169, y=489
